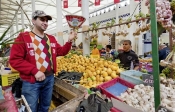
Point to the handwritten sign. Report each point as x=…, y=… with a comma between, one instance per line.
x=148, y=79
x=162, y=109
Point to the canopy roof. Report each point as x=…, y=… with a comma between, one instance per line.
x=10, y=9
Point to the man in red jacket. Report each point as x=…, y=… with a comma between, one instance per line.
x=34, y=56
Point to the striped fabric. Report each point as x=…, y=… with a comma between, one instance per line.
x=42, y=52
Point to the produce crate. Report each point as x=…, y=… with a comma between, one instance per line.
x=8, y=79
x=69, y=106
x=132, y=76
x=72, y=96
x=113, y=109
x=110, y=83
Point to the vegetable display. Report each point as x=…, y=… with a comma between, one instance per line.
x=95, y=70
x=142, y=97
x=164, y=13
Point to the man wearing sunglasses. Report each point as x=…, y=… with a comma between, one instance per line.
x=34, y=56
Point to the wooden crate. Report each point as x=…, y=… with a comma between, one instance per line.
x=69, y=106
x=67, y=93
x=66, y=90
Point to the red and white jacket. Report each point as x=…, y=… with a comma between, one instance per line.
x=22, y=55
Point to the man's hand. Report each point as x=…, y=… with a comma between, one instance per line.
x=40, y=76
x=72, y=35
x=136, y=68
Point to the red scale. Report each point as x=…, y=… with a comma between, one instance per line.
x=75, y=22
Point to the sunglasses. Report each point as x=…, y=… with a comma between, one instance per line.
x=43, y=19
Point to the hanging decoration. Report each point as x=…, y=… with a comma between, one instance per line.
x=109, y=25
x=144, y=27
x=116, y=1
x=65, y=3
x=122, y=30
x=97, y=2
x=94, y=27
x=79, y=3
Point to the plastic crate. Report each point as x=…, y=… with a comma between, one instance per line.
x=132, y=76
x=113, y=109
x=8, y=79
x=110, y=83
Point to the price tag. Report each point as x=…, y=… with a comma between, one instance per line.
x=162, y=109
x=148, y=79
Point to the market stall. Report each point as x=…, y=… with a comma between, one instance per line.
x=85, y=82
x=136, y=85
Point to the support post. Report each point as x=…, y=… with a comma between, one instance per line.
x=33, y=5
x=85, y=13
x=59, y=23
x=117, y=22
x=155, y=55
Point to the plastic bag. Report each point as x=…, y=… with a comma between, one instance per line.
x=9, y=105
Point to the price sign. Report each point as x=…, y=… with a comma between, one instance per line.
x=148, y=79
x=162, y=109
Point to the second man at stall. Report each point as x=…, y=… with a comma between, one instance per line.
x=128, y=59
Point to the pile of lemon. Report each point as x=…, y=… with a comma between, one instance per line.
x=95, y=70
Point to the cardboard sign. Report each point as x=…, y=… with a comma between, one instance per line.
x=162, y=109
x=148, y=79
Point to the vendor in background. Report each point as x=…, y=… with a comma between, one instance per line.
x=102, y=52
x=163, y=53
x=111, y=53
x=128, y=59
x=74, y=48
x=108, y=51
x=95, y=51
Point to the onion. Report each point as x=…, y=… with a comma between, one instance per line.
x=164, y=14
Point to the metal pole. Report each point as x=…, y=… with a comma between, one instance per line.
x=16, y=13
x=22, y=16
x=170, y=39
x=85, y=13
x=59, y=24
x=137, y=20
x=33, y=5
x=155, y=55
x=16, y=23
